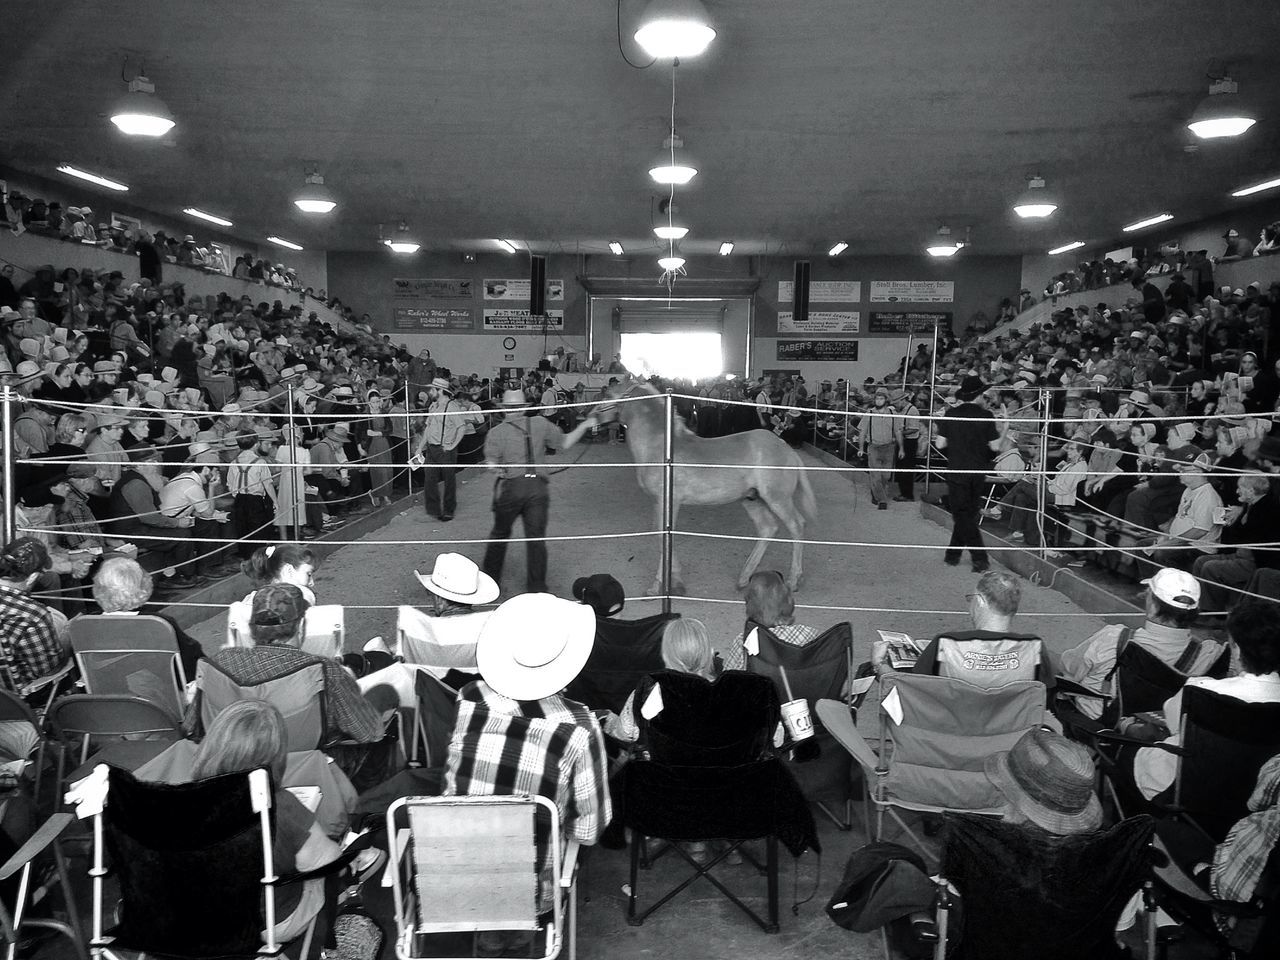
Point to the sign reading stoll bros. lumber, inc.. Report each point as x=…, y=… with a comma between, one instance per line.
x=913, y=291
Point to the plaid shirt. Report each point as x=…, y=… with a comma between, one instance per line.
x=796, y=634
x=551, y=748
x=29, y=639
x=79, y=527
x=346, y=710
x=1239, y=860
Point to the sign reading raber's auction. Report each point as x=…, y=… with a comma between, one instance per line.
x=817, y=350
x=905, y=321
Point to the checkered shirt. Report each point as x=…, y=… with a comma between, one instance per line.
x=29, y=641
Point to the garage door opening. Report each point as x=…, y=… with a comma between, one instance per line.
x=684, y=355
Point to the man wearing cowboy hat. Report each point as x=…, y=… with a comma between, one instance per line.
x=328, y=473
x=969, y=434
x=446, y=422
x=517, y=734
x=516, y=449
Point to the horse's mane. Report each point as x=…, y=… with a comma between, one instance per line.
x=641, y=388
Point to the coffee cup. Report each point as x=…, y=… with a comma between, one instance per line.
x=799, y=723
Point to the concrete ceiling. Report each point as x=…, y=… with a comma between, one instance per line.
x=811, y=121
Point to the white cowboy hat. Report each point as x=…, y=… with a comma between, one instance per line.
x=534, y=644
x=513, y=398
x=457, y=578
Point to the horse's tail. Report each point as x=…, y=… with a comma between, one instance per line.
x=808, y=505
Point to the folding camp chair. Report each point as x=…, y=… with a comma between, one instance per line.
x=1224, y=743
x=13, y=922
x=932, y=759
x=476, y=864
x=439, y=644
x=818, y=670
x=195, y=865
x=711, y=778
x=22, y=725
x=133, y=656
x=128, y=731
x=325, y=631
x=1028, y=893
x=433, y=719
x=625, y=652
x=299, y=696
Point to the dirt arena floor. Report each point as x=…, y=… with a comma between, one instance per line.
x=378, y=572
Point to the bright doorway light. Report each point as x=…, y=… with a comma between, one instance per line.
x=688, y=355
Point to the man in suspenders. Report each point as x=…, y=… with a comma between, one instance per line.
x=439, y=449
x=517, y=449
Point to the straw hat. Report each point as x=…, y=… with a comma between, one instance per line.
x=513, y=398
x=457, y=578
x=1049, y=781
x=535, y=644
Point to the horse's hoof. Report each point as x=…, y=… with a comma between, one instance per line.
x=742, y=584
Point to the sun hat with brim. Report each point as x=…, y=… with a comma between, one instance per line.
x=457, y=578
x=970, y=388
x=535, y=644
x=1048, y=780
x=440, y=383
x=339, y=431
x=513, y=398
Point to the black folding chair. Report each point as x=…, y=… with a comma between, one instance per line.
x=711, y=778
x=818, y=670
x=625, y=652
x=1028, y=893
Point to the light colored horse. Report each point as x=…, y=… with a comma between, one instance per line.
x=768, y=495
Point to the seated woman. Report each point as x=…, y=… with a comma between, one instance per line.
x=1255, y=631
x=769, y=603
x=686, y=648
x=121, y=587
x=250, y=735
x=278, y=563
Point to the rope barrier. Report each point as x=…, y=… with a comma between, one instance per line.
x=398, y=543
x=920, y=546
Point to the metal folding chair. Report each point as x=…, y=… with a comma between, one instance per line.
x=129, y=730
x=133, y=656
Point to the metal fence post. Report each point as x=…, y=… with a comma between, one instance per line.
x=408, y=442
x=1043, y=480
x=295, y=444
x=7, y=398
x=933, y=389
x=668, y=501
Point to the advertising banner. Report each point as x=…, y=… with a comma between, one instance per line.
x=912, y=291
x=518, y=289
x=437, y=319
x=832, y=321
x=824, y=291
x=817, y=350
x=497, y=320
x=905, y=321
x=431, y=288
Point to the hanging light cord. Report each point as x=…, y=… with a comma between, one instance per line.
x=668, y=278
x=629, y=62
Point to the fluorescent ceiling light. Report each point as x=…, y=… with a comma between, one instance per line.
x=140, y=113
x=1073, y=245
x=674, y=262
x=201, y=215
x=1149, y=222
x=726, y=248
x=1257, y=188
x=91, y=177
x=944, y=250
x=403, y=246
x=280, y=241
x=670, y=231
x=616, y=247
x=674, y=28
x=507, y=245
x=838, y=249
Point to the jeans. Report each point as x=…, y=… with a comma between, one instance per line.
x=1232, y=569
x=880, y=463
x=907, y=466
x=252, y=523
x=440, y=466
x=529, y=499
x=964, y=498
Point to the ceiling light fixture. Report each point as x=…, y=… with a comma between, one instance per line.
x=1256, y=188
x=315, y=197
x=401, y=242
x=1034, y=203
x=140, y=113
x=838, y=248
x=726, y=248
x=71, y=171
x=507, y=245
x=1148, y=222
x=670, y=231
x=1220, y=113
x=201, y=215
x=616, y=247
x=943, y=245
x=1073, y=245
x=673, y=166
x=672, y=29
x=281, y=242
x=671, y=262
